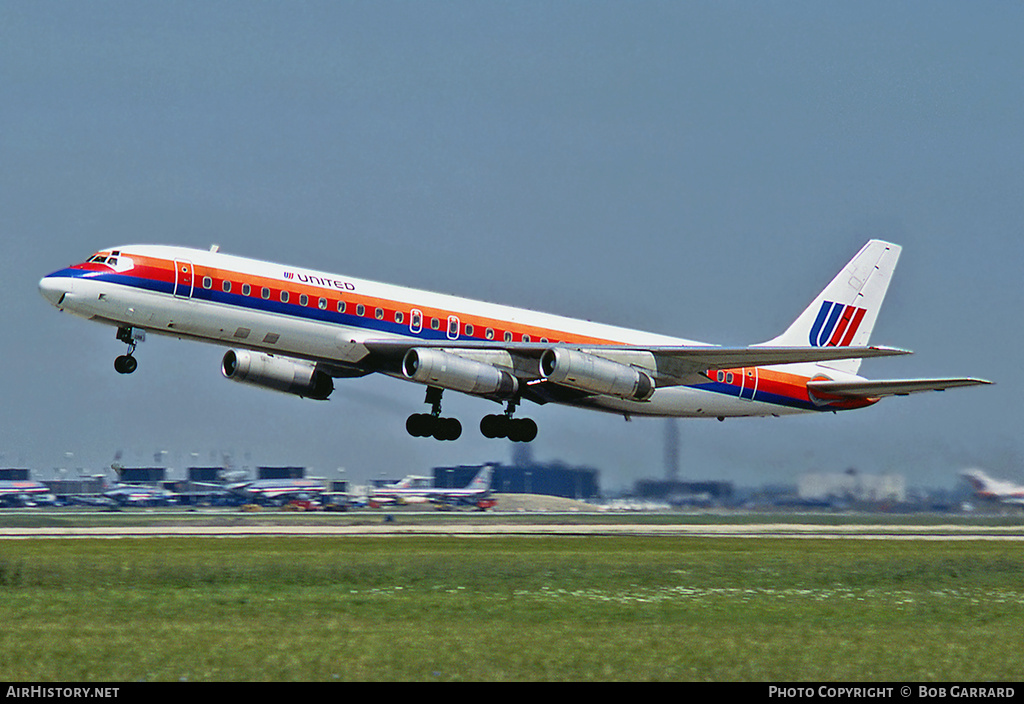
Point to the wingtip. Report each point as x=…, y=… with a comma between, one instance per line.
x=886, y=350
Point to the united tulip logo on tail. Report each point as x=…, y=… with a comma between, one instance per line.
x=835, y=325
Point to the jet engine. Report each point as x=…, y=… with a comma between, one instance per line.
x=278, y=373
x=450, y=371
x=587, y=372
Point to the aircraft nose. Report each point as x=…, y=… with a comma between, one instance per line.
x=55, y=288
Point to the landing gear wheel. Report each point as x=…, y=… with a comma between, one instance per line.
x=491, y=426
x=515, y=429
x=447, y=429
x=522, y=430
x=425, y=425
x=420, y=425
x=125, y=364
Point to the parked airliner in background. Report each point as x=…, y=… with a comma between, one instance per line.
x=295, y=330
x=23, y=493
x=476, y=493
x=985, y=487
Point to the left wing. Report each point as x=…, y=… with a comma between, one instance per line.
x=887, y=387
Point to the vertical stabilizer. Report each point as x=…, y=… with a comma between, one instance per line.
x=844, y=313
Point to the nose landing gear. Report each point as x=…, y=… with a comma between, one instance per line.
x=126, y=363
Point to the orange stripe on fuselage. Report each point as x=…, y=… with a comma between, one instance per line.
x=163, y=270
x=793, y=386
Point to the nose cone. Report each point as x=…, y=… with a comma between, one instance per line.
x=55, y=288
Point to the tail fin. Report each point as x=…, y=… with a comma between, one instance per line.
x=978, y=480
x=482, y=480
x=844, y=313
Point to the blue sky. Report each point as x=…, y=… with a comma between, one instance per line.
x=694, y=169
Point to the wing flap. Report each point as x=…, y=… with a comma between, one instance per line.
x=887, y=387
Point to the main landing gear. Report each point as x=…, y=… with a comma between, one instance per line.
x=126, y=363
x=505, y=426
x=423, y=425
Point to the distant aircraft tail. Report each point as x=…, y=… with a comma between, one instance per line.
x=844, y=313
x=482, y=480
x=978, y=480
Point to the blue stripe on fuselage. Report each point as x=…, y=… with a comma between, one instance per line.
x=250, y=302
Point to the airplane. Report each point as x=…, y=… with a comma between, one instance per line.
x=22, y=493
x=295, y=330
x=476, y=493
x=409, y=481
x=985, y=487
x=139, y=495
x=275, y=491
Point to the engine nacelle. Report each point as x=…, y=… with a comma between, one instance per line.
x=587, y=372
x=281, y=374
x=450, y=371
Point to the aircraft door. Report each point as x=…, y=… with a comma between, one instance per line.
x=748, y=383
x=183, y=279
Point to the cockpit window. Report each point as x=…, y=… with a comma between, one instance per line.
x=97, y=259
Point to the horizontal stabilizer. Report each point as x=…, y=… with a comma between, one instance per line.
x=887, y=387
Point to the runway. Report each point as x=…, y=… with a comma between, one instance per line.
x=482, y=530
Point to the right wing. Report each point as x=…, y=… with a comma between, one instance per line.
x=668, y=365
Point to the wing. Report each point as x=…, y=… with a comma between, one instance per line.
x=668, y=365
x=886, y=387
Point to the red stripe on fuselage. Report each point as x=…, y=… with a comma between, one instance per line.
x=163, y=270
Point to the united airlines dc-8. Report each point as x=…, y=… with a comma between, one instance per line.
x=296, y=330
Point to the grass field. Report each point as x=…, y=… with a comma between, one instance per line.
x=510, y=608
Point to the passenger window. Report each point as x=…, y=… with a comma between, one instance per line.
x=226, y=286
x=489, y=334
x=303, y=300
x=246, y=289
x=207, y=282
x=284, y=296
x=378, y=314
x=322, y=304
x=341, y=306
